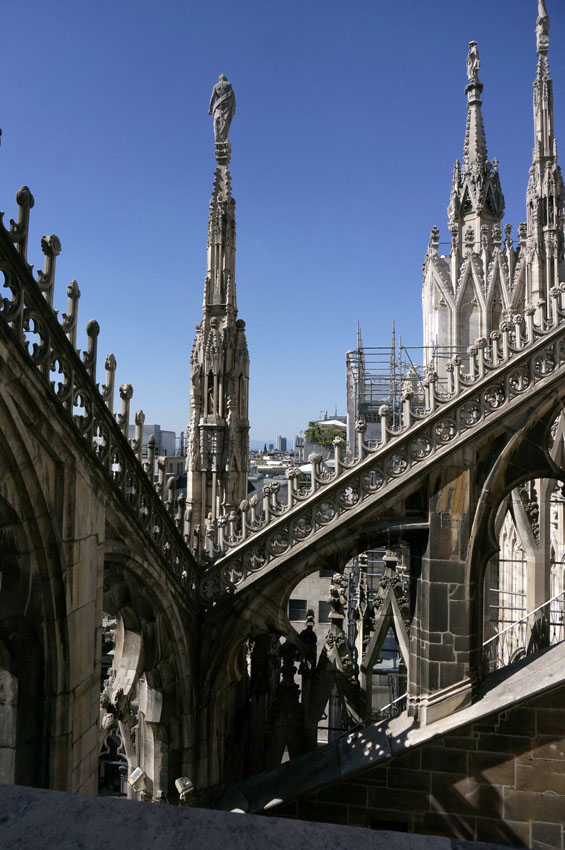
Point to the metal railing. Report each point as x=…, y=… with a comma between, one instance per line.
x=393, y=709
x=540, y=628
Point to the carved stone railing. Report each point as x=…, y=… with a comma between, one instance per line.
x=50, y=344
x=502, y=372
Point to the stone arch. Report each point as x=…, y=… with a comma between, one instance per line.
x=470, y=311
x=260, y=612
x=33, y=606
x=23, y=745
x=228, y=715
x=497, y=301
x=519, y=294
x=522, y=576
x=149, y=696
x=525, y=456
x=439, y=313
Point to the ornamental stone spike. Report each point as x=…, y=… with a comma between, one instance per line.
x=126, y=393
x=139, y=420
x=181, y=507
x=171, y=492
x=51, y=247
x=89, y=356
x=70, y=318
x=107, y=390
x=19, y=231
x=162, y=472
x=151, y=451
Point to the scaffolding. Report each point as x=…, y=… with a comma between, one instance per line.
x=378, y=375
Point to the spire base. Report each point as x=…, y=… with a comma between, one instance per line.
x=223, y=153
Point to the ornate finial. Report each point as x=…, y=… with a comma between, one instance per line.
x=473, y=63
x=126, y=393
x=51, y=247
x=89, y=356
x=434, y=240
x=107, y=390
x=69, y=319
x=222, y=105
x=18, y=232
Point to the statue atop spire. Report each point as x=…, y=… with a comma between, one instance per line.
x=542, y=29
x=475, y=149
x=476, y=199
x=222, y=104
x=473, y=63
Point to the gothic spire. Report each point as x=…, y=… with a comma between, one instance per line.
x=545, y=146
x=476, y=198
x=545, y=196
x=475, y=147
x=219, y=285
x=218, y=430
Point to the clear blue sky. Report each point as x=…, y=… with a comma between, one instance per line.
x=349, y=118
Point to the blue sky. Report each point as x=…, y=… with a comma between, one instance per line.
x=349, y=118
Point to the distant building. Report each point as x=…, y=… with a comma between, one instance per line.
x=165, y=441
x=281, y=444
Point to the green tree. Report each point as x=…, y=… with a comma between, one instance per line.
x=314, y=433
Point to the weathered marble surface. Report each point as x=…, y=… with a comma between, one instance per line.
x=51, y=820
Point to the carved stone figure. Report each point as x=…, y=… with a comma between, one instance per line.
x=542, y=28
x=473, y=62
x=222, y=104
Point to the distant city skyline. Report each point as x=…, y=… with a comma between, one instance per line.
x=336, y=195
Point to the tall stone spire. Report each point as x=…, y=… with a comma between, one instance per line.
x=475, y=147
x=476, y=196
x=218, y=431
x=545, y=196
x=464, y=295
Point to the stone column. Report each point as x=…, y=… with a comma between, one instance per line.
x=440, y=633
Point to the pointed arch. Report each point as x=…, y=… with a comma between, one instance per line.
x=470, y=309
x=439, y=308
x=519, y=287
x=498, y=300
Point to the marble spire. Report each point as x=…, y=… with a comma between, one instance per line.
x=218, y=429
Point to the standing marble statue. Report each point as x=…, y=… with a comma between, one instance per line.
x=222, y=103
x=473, y=62
x=542, y=27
